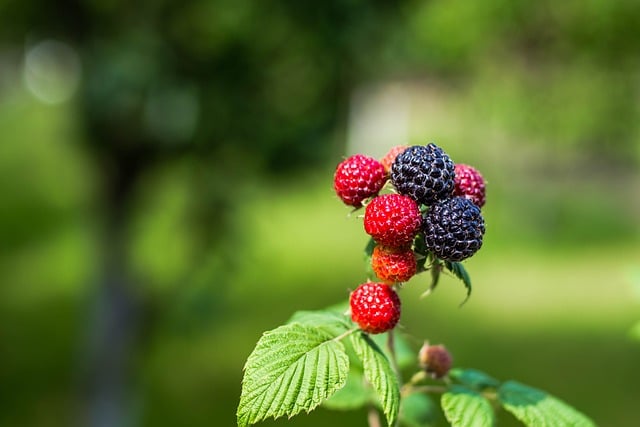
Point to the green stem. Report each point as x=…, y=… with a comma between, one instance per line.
x=417, y=377
x=373, y=417
x=423, y=389
x=345, y=334
x=392, y=351
x=413, y=386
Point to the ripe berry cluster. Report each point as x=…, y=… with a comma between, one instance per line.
x=432, y=210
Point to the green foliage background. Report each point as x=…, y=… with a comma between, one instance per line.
x=179, y=203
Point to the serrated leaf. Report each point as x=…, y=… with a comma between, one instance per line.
x=464, y=407
x=473, y=378
x=333, y=322
x=461, y=273
x=536, y=408
x=379, y=373
x=355, y=394
x=417, y=410
x=405, y=356
x=293, y=368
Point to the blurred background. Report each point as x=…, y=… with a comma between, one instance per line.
x=166, y=177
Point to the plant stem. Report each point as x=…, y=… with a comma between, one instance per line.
x=392, y=351
x=424, y=389
x=373, y=417
x=417, y=377
x=345, y=334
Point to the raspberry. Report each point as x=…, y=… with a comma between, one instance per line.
x=392, y=220
x=375, y=307
x=470, y=184
x=393, y=265
x=425, y=173
x=357, y=178
x=453, y=229
x=391, y=155
x=435, y=360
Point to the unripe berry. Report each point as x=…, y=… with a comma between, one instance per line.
x=390, y=157
x=393, y=265
x=435, y=360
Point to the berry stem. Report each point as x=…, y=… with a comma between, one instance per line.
x=345, y=334
x=417, y=377
x=436, y=389
x=373, y=417
x=392, y=352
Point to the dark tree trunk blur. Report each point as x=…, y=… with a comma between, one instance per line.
x=116, y=311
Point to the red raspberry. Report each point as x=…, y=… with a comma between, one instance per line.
x=392, y=220
x=375, y=307
x=470, y=184
x=435, y=360
x=391, y=155
x=357, y=178
x=393, y=265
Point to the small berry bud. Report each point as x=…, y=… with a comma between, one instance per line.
x=435, y=360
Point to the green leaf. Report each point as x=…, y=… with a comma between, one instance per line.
x=473, y=378
x=293, y=368
x=379, y=373
x=417, y=410
x=436, y=269
x=355, y=394
x=405, y=356
x=420, y=248
x=368, y=250
x=464, y=407
x=461, y=273
x=536, y=408
x=333, y=322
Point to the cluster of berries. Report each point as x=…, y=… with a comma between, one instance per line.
x=432, y=211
